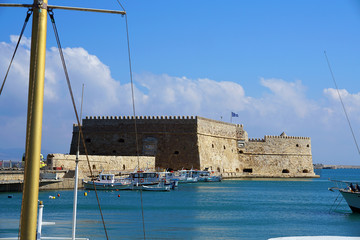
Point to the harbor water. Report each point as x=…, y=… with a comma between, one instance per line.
x=231, y=209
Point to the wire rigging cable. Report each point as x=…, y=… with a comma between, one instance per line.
x=342, y=103
x=28, y=14
x=51, y=14
x=134, y=114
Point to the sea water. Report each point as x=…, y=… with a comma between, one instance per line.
x=231, y=209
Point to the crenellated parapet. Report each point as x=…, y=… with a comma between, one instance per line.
x=286, y=137
x=139, y=117
x=267, y=137
x=256, y=140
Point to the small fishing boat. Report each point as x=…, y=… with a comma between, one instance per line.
x=160, y=187
x=107, y=182
x=206, y=176
x=139, y=179
x=186, y=176
x=170, y=179
x=351, y=193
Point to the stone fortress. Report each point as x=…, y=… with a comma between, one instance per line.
x=194, y=142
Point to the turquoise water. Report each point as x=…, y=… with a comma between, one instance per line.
x=231, y=209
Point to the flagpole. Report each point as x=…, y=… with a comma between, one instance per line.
x=231, y=117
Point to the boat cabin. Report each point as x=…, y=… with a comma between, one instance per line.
x=106, y=178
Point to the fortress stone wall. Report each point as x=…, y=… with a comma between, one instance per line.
x=108, y=164
x=217, y=143
x=278, y=156
x=199, y=143
x=172, y=140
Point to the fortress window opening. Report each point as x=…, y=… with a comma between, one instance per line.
x=241, y=143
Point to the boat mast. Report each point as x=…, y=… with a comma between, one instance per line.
x=76, y=175
x=34, y=121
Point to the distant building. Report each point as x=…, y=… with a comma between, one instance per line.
x=199, y=143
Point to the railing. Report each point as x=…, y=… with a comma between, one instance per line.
x=11, y=165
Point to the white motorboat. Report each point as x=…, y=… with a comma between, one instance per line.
x=351, y=193
x=160, y=187
x=139, y=179
x=206, y=176
x=186, y=176
x=107, y=182
x=170, y=178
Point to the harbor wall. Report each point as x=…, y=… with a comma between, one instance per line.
x=109, y=164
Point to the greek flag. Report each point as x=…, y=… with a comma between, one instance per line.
x=234, y=114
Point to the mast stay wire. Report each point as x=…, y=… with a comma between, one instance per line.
x=28, y=14
x=51, y=14
x=342, y=103
x=134, y=113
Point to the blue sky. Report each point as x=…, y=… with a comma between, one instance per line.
x=261, y=59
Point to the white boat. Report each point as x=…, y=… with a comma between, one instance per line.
x=151, y=181
x=107, y=182
x=170, y=178
x=206, y=176
x=160, y=187
x=186, y=176
x=351, y=193
x=139, y=179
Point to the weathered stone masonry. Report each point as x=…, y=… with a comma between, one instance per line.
x=199, y=143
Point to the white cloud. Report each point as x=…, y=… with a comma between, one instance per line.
x=351, y=101
x=286, y=97
x=284, y=106
x=26, y=42
x=183, y=96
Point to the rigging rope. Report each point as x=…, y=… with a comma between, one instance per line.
x=28, y=14
x=134, y=113
x=51, y=14
x=342, y=103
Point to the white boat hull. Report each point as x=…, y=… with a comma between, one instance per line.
x=352, y=199
x=89, y=185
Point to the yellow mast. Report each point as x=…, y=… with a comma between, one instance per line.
x=29, y=206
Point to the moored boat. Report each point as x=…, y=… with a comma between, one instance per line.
x=160, y=187
x=139, y=179
x=206, y=176
x=170, y=178
x=186, y=176
x=351, y=193
x=107, y=182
